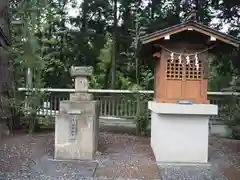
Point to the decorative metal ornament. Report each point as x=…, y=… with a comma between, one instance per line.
x=197, y=66
x=196, y=61
x=180, y=59
x=196, y=57
x=188, y=59
x=172, y=57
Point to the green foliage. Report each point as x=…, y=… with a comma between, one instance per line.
x=142, y=117
x=224, y=76
x=142, y=77
x=92, y=36
x=31, y=56
x=219, y=80
x=104, y=34
x=17, y=108
x=231, y=111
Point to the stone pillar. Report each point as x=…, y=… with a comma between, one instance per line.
x=77, y=124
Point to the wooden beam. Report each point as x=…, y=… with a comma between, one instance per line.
x=157, y=37
x=161, y=36
x=220, y=38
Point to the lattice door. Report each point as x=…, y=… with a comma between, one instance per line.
x=192, y=73
x=176, y=70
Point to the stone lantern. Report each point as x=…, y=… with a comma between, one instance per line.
x=77, y=124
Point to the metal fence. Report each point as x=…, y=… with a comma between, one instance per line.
x=114, y=103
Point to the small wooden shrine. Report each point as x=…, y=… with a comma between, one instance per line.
x=183, y=52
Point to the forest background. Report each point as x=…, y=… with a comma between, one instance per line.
x=50, y=36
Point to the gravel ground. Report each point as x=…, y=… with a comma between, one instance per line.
x=224, y=165
x=127, y=157
x=120, y=156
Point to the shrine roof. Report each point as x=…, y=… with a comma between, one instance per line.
x=195, y=26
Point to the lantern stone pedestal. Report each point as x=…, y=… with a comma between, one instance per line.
x=179, y=132
x=77, y=124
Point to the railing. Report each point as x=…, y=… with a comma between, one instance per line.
x=114, y=103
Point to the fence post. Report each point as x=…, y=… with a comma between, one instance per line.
x=29, y=86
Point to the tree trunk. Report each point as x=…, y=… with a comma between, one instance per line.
x=197, y=5
x=5, y=73
x=114, y=46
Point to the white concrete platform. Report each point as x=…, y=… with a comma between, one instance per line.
x=179, y=132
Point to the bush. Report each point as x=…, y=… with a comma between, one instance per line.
x=231, y=112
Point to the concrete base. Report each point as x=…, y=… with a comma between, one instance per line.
x=164, y=165
x=55, y=169
x=219, y=129
x=83, y=144
x=179, y=133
